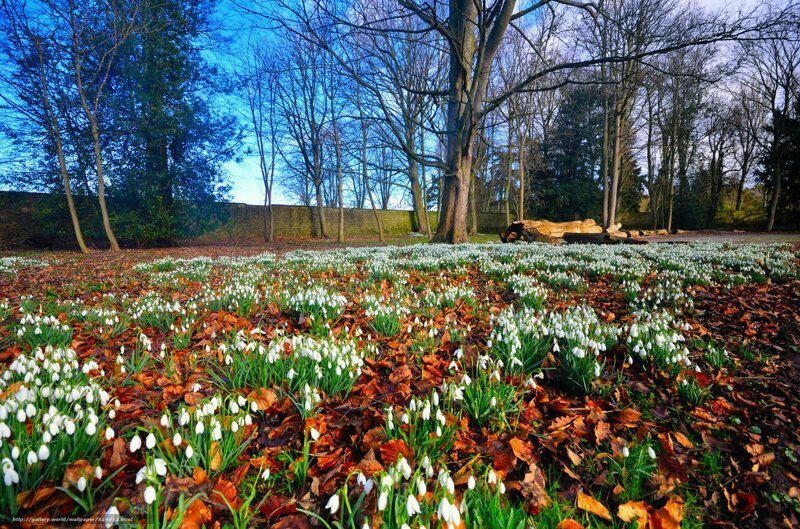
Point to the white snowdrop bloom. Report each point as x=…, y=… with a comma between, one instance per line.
x=136, y=443
x=160, y=466
x=189, y=452
x=164, y=420
x=10, y=476
x=501, y=487
x=383, y=500
x=265, y=474
x=333, y=504
x=140, y=475
x=150, y=441
x=91, y=428
x=314, y=434
x=177, y=439
x=149, y=495
x=43, y=453
x=183, y=418
x=651, y=452
x=199, y=428
x=626, y=452
x=109, y=433
x=412, y=506
x=98, y=472
x=81, y=484
x=196, y=387
x=32, y=458
x=471, y=483
x=491, y=477
x=111, y=517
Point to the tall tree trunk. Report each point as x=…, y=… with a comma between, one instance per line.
x=521, y=171
x=424, y=186
x=62, y=164
x=773, y=201
x=616, y=169
x=507, y=192
x=745, y=165
x=101, y=189
x=416, y=195
x=473, y=227
x=340, y=185
x=606, y=132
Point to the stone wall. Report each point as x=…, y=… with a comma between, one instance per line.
x=21, y=222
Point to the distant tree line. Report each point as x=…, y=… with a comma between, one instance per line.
x=548, y=109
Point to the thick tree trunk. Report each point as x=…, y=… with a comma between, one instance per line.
x=453, y=222
x=473, y=225
x=416, y=196
x=323, y=224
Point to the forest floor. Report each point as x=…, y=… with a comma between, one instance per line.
x=471, y=386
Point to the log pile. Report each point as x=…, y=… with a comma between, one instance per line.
x=579, y=231
x=546, y=231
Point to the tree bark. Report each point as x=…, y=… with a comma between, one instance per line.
x=521, y=171
x=773, y=201
x=616, y=168
x=339, y=179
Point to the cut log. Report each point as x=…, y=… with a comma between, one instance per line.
x=544, y=230
x=599, y=238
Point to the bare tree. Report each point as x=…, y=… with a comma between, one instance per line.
x=305, y=110
x=33, y=50
x=97, y=31
x=773, y=66
x=258, y=76
x=748, y=120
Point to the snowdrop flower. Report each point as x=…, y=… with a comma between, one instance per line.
x=422, y=488
x=412, y=506
x=43, y=453
x=149, y=495
x=136, y=443
x=651, y=452
x=625, y=452
x=491, y=477
x=164, y=420
x=265, y=474
x=471, y=483
x=111, y=517
x=98, y=472
x=109, y=433
x=189, y=452
x=81, y=484
x=383, y=500
x=333, y=504
x=199, y=428
x=160, y=466
x=32, y=458
x=314, y=434
x=177, y=439
x=150, y=442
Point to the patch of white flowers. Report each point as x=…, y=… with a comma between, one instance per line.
x=656, y=339
x=51, y=413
